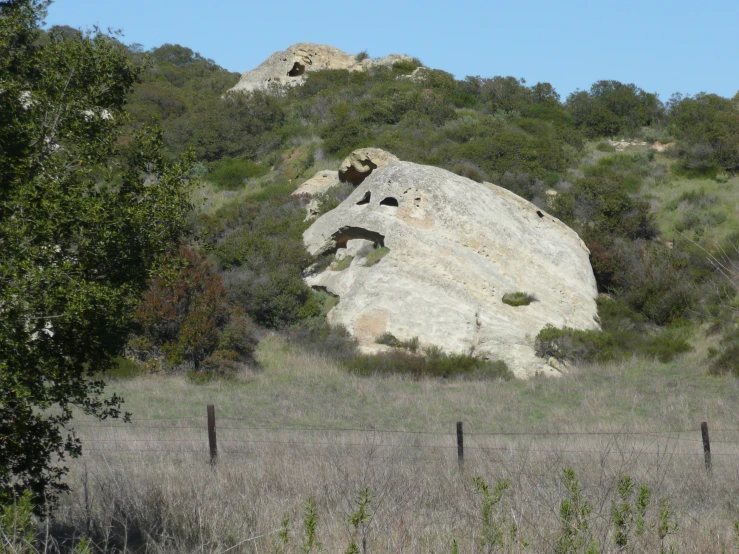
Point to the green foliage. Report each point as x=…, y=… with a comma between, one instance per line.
x=576, y=346
x=605, y=147
x=666, y=526
x=258, y=246
x=628, y=514
x=574, y=534
x=432, y=363
x=317, y=336
x=625, y=333
x=375, y=256
x=125, y=368
x=230, y=173
x=360, y=520
x=80, y=230
x=493, y=532
x=707, y=130
x=283, y=537
x=518, y=298
x=341, y=265
x=389, y=339
x=612, y=108
x=17, y=528
x=310, y=525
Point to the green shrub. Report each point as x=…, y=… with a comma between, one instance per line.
x=230, y=173
x=722, y=177
x=17, y=528
x=389, y=339
x=518, y=298
x=576, y=346
x=363, y=55
x=125, y=368
x=605, y=147
x=433, y=363
x=317, y=336
x=665, y=346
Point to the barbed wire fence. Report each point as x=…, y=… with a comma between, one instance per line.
x=230, y=437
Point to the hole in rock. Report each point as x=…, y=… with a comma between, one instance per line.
x=538, y=212
x=365, y=199
x=389, y=201
x=297, y=70
x=345, y=234
x=355, y=177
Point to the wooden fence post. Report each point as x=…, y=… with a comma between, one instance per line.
x=212, y=435
x=460, y=445
x=706, y=446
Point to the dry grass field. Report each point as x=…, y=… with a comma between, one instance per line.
x=300, y=429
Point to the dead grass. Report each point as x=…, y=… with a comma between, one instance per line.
x=300, y=428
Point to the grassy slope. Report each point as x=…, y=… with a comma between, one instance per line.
x=292, y=387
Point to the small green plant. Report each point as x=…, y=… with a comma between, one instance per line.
x=518, y=298
x=363, y=55
x=665, y=527
x=16, y=525
x=388, y=339
x=605, y=147
x=310, y=524
x=722, y=177
x=83, y=546
x=341, y=265
x=283, y=537
x=574, y=511
x=628, y=514
x=360, y=521
x=375, y=256
x=492, y=534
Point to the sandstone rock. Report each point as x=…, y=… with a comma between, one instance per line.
x=661, y=146
x=314, y=188
x=289, y=67
x=419, y=74
x=455, y=248
x=621, y=145
x=318, y=184
x=359, y=164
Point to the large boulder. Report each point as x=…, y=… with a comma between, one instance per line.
x=358, y=165
x=434, y=254
x=289, y=67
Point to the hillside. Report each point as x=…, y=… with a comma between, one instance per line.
x=651, y=217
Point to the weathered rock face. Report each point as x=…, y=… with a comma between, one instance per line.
x=358, y=165
x=318, y=184
x=455, y=248
x=288, y=67
x=315, y=187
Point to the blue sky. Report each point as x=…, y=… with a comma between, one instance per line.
x=661, y=46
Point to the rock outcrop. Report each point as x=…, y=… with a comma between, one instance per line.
x=431, y=256
x=314, y=188
x=289, y=67
x=318, y=184
x=358, y=165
